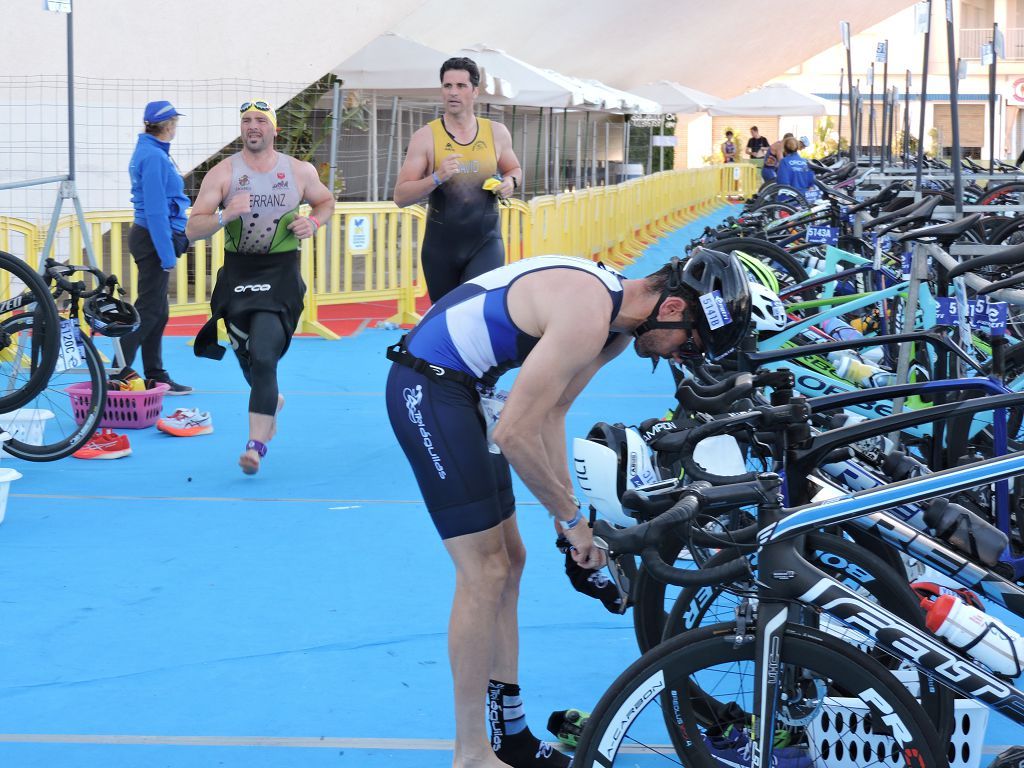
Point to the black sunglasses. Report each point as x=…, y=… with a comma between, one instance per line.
x=262, y=106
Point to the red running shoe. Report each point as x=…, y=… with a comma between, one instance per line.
x=105, y=444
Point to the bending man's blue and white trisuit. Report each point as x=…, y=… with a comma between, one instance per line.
x=438, y=423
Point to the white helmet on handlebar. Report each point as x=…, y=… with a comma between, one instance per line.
x=612, y=460
x=767, y=312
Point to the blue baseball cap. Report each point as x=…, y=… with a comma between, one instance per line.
x=158, y=111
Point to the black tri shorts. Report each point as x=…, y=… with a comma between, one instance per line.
x=467, y=489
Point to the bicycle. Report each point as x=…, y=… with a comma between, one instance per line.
x=787, y=656
x=63, y=429
x=29, y=341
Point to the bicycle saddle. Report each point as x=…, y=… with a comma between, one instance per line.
x=884, y=196
x=918, y=211
x=944, y=233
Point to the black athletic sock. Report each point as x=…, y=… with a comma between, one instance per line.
x=511, y=739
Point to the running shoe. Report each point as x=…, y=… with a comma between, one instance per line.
x=174, y=388
x=734, y=749
x=186, y=422
x=105, y=444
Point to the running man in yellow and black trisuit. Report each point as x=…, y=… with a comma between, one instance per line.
x=449, y=159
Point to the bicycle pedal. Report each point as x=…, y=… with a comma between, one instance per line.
x=566, y=725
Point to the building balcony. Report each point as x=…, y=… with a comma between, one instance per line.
x=971, y=41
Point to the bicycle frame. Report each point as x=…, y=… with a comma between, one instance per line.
x=785, y=576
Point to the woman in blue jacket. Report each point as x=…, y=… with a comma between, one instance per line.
x=157, y=237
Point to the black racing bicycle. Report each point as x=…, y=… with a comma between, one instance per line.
x=28, y=333
x=56, y=425
x=767, y=670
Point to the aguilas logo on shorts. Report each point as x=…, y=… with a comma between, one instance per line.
x=413, y=397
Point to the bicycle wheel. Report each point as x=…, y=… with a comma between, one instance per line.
x=1009, y=193
x=845, y=561
x=28, y=352
x=823, y=678
x=1009, y=232
x=54, y=416
x=786, y=267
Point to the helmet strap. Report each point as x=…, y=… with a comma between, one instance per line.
x=652, y=322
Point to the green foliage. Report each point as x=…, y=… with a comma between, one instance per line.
x=640, y=139
x=302, y=128
x=824, y=144
x=297, y=124
x=911, y=145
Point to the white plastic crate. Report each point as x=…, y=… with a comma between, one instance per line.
x=840, y=737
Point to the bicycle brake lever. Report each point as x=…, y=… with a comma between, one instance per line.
x=619, y=579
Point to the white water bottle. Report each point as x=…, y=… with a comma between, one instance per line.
x=840, y=330
x=977, y=634
x=866, y=375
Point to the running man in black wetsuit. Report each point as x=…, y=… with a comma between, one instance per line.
x=449, y=159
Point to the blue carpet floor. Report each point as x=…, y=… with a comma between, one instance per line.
x=294, y=618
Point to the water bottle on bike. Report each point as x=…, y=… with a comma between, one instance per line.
x=853, y=370
x=982, y=637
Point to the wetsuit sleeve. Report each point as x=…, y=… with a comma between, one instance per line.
x=157, y=211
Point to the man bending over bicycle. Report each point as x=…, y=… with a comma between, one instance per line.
x=559, y=319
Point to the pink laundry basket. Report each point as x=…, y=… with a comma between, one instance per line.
x=124, y=410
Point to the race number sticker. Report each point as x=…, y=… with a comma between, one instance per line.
x=715, y=310
x=946, y=311
x=998, y=312
x=72, y=350
x=979, y=312
x=829, y=235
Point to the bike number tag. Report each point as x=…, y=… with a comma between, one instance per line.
x=72, y=350
x=827, y=235
x=908, y=263
x=491, y=403
x=979, y=313
x=946, y=311
x=998, y=312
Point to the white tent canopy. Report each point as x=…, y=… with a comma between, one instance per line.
x=617, y=100
x=534, y=87
x=677, y=99
x=537, y=87
x=395, y=65
x=771, y=100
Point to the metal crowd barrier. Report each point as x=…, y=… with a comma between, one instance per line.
x=369, y=252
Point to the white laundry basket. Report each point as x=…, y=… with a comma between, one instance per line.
x=26, y=424
x=7, y=476
x=840, y=737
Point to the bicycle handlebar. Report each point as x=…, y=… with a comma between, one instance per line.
x=59, y=272
x=1013, y=255
x=1010, y=282
x=644, y=539
x=683, y=443
x=976, y=282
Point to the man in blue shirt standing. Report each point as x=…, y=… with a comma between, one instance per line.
x=157, y=237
